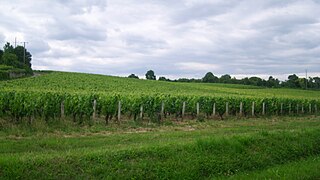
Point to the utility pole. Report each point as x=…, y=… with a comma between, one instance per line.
x=24, y=52
x=15, y=42
x=306, y=78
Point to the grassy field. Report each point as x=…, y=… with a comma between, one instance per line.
x=78, y=82
x=286, y=147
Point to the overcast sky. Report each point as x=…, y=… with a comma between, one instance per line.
x=175, y=38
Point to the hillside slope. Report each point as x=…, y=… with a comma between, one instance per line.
x=80, y=82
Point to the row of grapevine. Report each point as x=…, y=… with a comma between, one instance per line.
x=20, y=104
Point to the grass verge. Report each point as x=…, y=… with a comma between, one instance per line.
x=254, y=148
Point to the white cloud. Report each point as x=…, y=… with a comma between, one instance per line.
x=183, y=38
x=195, y=66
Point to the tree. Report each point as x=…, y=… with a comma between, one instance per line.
x=163, y=79
x=133, y=76
x=150, y=75
x=24, y=59
x=225, y=78
x=245, y=81
x=210, y=78
x=256, y=81
x=17, y=57
x=302, y=83
x=1, y=54
x=316, y=82
x=183, y=80
x=272, y=82
x=8, y=48
x=293, y=81
x=10, y=59
x=310, y=83
x=234, y=80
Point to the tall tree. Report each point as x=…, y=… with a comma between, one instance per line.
x=293, y=81
x=150, y=75
x=225, y=78
x=23, y=57
x=210, y=78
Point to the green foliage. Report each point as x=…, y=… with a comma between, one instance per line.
x=19, y=51
x=1, y=54
x=210, y=78
x=133, y=76
x=43, y=95
x=5, y=67
x=225, y=78
x=18, y=57
x=4, y=75
x=6, y=72
x=163, y=79
x=150, y=75
x=8, y=48
x=10, y=59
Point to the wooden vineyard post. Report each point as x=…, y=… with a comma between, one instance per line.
x=263, y=108
x=289, y=108
x=227, y=109
x=281, y=108
x=252, y=109
x=119, y=111
x=302, y=108
x=62, y=110
x=183, y=109
x=198, y=109
x=94, y=109
x=297, y=108
x=241, y=108
x=315, y=109
x=310, y=108
x=214, y=109
x=141, y=112
x=162, y=109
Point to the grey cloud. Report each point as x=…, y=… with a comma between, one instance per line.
x=142, y=44
x=82, y=6
x=37, y=45
x=67, y=32
x=174, y=38
x=201, y=11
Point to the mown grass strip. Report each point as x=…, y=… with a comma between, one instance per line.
x=205, y=158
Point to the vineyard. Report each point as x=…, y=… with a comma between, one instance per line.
x=84, y=96
x=53, y=126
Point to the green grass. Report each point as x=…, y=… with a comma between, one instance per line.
x=78, y=82
x=235, y=148
x=308, y=168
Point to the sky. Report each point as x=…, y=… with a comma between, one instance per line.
x=180, y=38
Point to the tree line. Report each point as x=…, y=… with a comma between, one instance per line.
x=17, y=57
x=293, y=80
